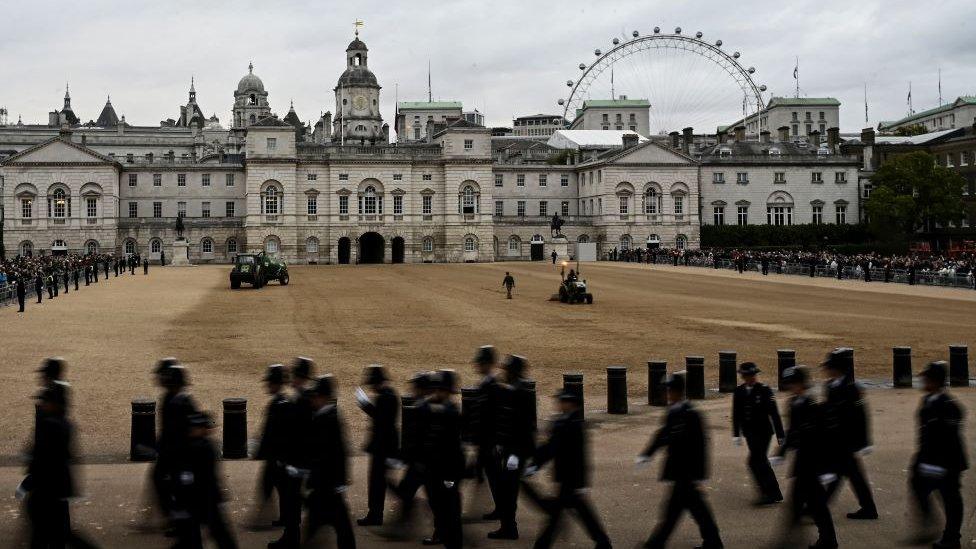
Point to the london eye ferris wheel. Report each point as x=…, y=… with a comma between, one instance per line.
x=687, y=80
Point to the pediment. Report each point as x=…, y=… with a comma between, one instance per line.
x=651, y=153
x=59, y=151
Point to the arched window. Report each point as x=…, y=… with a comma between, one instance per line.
x=680, y=242
x=583, y=238
x=130, y=247
x=155, y=246
x=368, y=201
x=469, y=244
x=252, y=119
x=91, y=247
x=538, y=238
x=27, y=248
x=271, y=246
x=252, y=99
x=625, y=242
x=428, y=244
x=232, y=245
x=468, y=202
x=206, y=246
x=652, y=202
x=271, y=200
x=312, y=246
x=514, y=245
x=59, y=203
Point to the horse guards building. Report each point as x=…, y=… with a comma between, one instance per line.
x=339, y=190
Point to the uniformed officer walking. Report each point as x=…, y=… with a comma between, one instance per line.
x=76, y=274
x=484, y=422
x=442, y=459
x=21, y=291
x=39, y=285
x=516, y=441
x=276, y=438
x=940, y=458
x=846, y=430
x=328, y=476
x=508, y=282
x=412, y=433
x=145, y=266
x=176, y=407
x=384, y=440
x=686, y=465
x=755, y=417
x=568, y=449
x=805, y=439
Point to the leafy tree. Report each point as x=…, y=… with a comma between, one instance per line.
x=911, y=193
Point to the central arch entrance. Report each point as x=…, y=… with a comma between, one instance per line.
x=371, y=248
x=344, y=246
x=398, y=249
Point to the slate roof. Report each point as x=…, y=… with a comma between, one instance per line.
x=959, y=102
x=271, y=122
x=108, y=118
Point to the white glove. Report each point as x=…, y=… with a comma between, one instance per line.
x=867, y=450
x=931, y=471
x=513, y=463
x=20, y=493
x=641, y=461
x=530, y=470
x=582, y=491
x=737, y=441
x=776, y=461
x=292, y=471
x=361, y=398
x=827, y=479
x=341, y=489
x=186, y=478
x=448, y=484
x=394, y=463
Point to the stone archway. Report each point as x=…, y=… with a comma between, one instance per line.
x=344, y=247
x=398, y=249
x=371, y=248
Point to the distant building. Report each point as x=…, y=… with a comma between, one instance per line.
x=474, y=117
x=614, y=114
x=538, y=125
x=802, y=115
x=959, y=113
x=413, y=116
x=500, y=131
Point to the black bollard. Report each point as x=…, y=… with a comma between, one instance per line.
x=785, y=358
x=958, y=365
x=235, y=428
x=695, y=366
x=901, y=366
x=469, y=403
x=657, y=370
x=530, y=387
x=617, y=390
x=726, y=371
x=142, y=446
x=574, y=383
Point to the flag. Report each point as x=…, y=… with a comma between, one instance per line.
x=796, y=72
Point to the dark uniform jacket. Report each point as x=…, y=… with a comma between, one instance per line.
x=754, y=412
x=845, y=416
x=327, y=451
x=940, y=434
x=684, y=435
x=173, y=433
x=51, y=457
x=805, y=436
x=299, y=451
x=485, y=417
x=384, y=439
x=197, y=485
x=277, y=435
x=410, y=432
x=516, y=419
x=567, y=447
x=440, y=450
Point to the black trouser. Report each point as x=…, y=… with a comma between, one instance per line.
x=849, y=466
x=686, y=495
x=489, y=465
x=87, y=278
x=376, y=489
x=327, y=507
x=807, y=496
x=190, y=537
x=66, y=284
x=765, y=270
x=162, y=484
x=762, y=472
x=508, y=492
x=948, y=488
x=445, y=503
x=20, y=300
x=289, y=504
x=51, y=524
x=40, y=293
x=76, y=283
x=568, y=498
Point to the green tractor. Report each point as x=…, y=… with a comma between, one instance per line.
x=573, y=290
x=257, y=270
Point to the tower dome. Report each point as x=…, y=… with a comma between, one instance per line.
x=357, y=98
x=250, y=82
x=250, y=100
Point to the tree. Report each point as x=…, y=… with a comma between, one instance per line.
x=911, y=193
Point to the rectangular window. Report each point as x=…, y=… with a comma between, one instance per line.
x=91, y=207
x=397, y=204
x=157, y=180
x=779, y=215
x=27, y=208
x=133, y=209
x=229, y=180
x=840, y=177
x=398, y=177
x=742, y=178
x=428, y=177
x=520, y=208
x=498, y=180
x=679, y=205
x=817, y=215
x=718, y=177
x=499, y=208
x=312, y=205
x=181, y=180
x=205, y=180
x=229, y=209
x=157, y=210
x=205, y=209
x=779, y=177
x=272, y=144
x=564, y=180
x=816, y=177
x=624, y=205
x=543, y=208
x=312, y=177
x=841, y=214
x=543, y=180
x=343, y=205
x=742, y=215
x=343, y=177
x=520, y=180
x=133, y=179
x=564, y=208
x=718, y=215
x=795, y=128
x=468, y=144
x=181, y=209
x=427, y=207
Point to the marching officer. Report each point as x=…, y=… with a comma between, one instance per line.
x=66, y=277
x=516, y=441
x=442, y=458
x=39, y=285
x=145, y=266
x=484, y=422
x=328, y=479
x=198, y=497
x=52, y=286
x=88, y=274
x=115, y=267
x=806, y=439
x=755, y=416
x=941, y=455
x=683, y=434
x=508, y=282
x=21, y=291
x=554, y=257
x=276, y=438
x=76, y=276
x=384, y=439
x=176, y=407
x=568, y=449
x=846, y=427
x=410, y=452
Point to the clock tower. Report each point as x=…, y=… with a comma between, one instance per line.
x=358, y=118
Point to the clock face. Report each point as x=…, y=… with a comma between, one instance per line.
x=359, y=103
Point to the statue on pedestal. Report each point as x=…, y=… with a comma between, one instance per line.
x=555, y=225
x=179, y=227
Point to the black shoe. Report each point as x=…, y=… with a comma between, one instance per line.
x=370, y=521
x=491, y=516
x=824, y=545
x=765, y=500
x=944, y=545
x=504, y=533
x=431, y=541
x=277, y=523
x=863, y=514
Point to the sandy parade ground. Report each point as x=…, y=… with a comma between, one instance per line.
x=414, y=317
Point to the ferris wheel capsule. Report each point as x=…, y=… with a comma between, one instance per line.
x=736, y=55
x=615, y=41
x=698, y=34
x=718, y=43
x=657, y=30
x=677, y=30
x=561, y=102
x=582, y=66
x=762, y=88
x=635, y=34
x=597, y=52
x=752, y=70
x=569, y=83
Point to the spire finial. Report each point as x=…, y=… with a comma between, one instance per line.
x=108, y=99
x=292, y=104
x=250, y=67
x=67, y=94
x=356, y=25
x=191, y=83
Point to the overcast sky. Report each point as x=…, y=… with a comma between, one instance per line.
x=504, y=57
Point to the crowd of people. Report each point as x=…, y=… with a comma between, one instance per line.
x=916, y=268
x=438, y=448
x=50, y=273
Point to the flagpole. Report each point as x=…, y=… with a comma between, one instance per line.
x=796, y=76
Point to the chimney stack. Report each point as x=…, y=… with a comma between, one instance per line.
x=833, y=138
x=740, y=134
x=675, y=140
x=764, y=136
x=784, y=133
x=430, y=131
x=815, y=138
x=867, y=136
x=721, y=138
x=689, y=138
x=631, y=139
